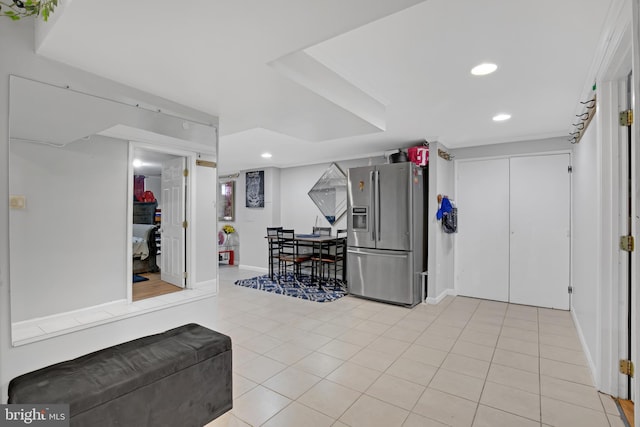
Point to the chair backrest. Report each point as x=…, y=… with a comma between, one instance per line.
x=286, y=233
x=323, y=231
x=286, y=236
x=272, y=236
x=273, y=231
x=341, y=240
x=286, y=241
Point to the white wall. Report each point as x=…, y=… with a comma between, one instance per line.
x=17, y=46
x=204, y=220
x=444, y=241
x=251, y=223
x=153, y=184
x=585, y=262
x=599, y=302
x=514, y=148
x=441, y=245
x=298, y=210
x=56, y=266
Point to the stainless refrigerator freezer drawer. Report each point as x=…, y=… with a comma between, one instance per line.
x=382, y=275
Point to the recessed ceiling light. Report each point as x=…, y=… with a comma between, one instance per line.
x=501, y=117
x=266, y=155
x=484, y=69
x=137, y=163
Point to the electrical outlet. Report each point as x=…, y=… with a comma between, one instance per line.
x=17, y=202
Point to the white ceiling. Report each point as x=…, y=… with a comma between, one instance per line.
x=318, y=80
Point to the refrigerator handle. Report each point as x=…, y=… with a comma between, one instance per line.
x=380, y=254
x=377, y=206
x=372, y=214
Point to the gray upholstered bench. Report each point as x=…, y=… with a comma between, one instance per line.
x=181, y=377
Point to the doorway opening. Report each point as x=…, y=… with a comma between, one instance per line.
x=158, y=223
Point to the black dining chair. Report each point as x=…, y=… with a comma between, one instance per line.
x=274, y=250
x=317, y=249
x=332, y=257
x=290, y=256
x=341, y=247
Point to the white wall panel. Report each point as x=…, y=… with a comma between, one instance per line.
x=444, y=242
x=584, y=300
x=482, y=244
x=540, y=231
x=205, y=217
x=49, y=233
x=251, y=223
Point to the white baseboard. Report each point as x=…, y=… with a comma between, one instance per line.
x=585, y=349
x=80, y=311
x=443, y=295
x=253, y=268
x=212, y=284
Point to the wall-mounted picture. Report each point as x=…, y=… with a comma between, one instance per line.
x=226, y=201
x=255, y=189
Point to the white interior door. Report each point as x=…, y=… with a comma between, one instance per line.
x=173, y=215
x=540, y=231
x=482, y=242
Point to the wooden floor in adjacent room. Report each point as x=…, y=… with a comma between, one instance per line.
x=627, y=408
x=153, y=287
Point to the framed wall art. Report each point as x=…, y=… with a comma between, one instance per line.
x=255, y=189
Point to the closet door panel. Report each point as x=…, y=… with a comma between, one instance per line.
x=482, y=241
x=540, y=230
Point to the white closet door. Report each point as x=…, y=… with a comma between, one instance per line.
x=540, y=233
x=173, y=215
x=482, y=242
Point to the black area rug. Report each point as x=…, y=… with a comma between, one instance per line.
x=137, y=278
x=300, y=287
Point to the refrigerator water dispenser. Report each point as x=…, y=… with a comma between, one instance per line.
x=360, y=218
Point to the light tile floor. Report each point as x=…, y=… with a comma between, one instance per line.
x=354, y=362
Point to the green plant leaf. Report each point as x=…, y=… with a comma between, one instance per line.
x=25, y=8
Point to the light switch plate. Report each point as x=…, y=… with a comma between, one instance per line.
x=17, y=202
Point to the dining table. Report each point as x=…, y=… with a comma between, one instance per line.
x=315, y=242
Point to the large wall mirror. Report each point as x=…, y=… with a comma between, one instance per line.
x=69, y=161
x=329, y=193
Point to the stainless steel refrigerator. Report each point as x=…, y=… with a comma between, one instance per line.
x=386, y=240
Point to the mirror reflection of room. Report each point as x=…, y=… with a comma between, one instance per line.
x=71, y=186
x=67, y=242
x=149, y=278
